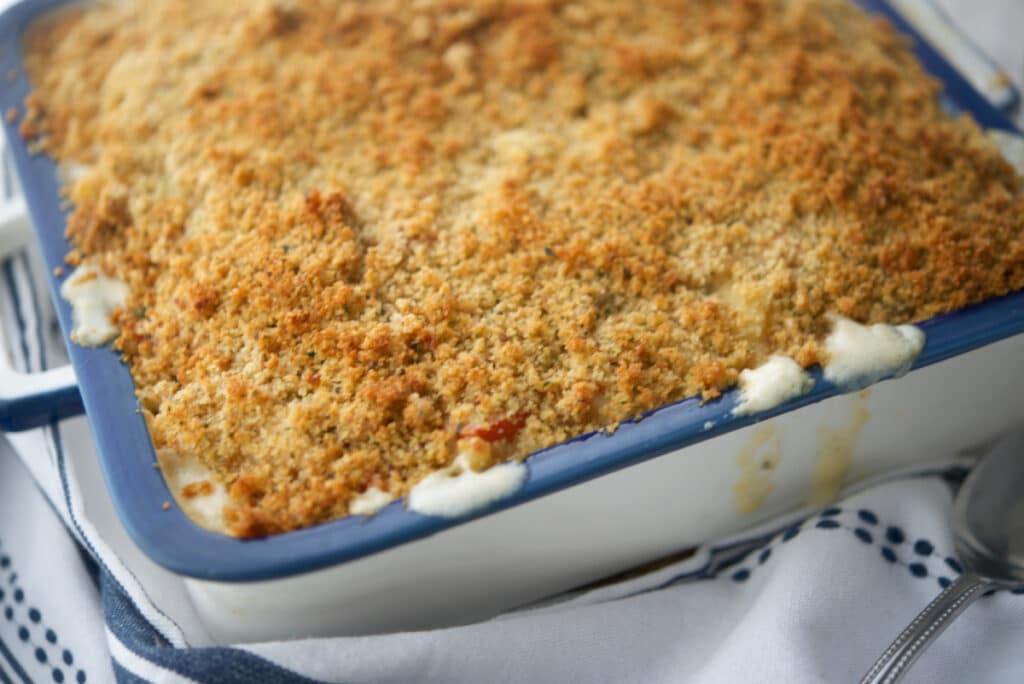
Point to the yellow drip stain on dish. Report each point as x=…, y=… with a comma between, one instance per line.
x=757, y=460
x=835, y=449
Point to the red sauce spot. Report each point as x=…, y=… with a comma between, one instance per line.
x=378, y=480
x=504, y=430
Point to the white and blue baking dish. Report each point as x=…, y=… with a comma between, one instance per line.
x=591, y=507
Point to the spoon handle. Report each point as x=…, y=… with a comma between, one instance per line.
x=928, y=625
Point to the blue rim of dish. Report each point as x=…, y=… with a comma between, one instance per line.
x=168, y=537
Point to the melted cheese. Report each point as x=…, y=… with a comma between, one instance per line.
x=862, y=354
x=369, y=502
x=93, y=297
x=458, y=489
x=774, y=382
x=206, y=510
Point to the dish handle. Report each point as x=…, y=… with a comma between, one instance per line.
x=29, y=400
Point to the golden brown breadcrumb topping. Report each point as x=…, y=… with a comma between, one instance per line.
x=357, y=233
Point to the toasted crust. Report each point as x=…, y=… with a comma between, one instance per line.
x=355, y=232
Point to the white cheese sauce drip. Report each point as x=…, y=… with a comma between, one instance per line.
x=206, y=510
x=862, y=354
x=369, y=502
x=93, y=297
x=458, y=489
x=772, y=383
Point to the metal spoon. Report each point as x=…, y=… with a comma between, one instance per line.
x=988, y=534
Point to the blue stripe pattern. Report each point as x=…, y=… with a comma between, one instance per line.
x=10, y=661
x=126, y=677
x=12, y=287
x=214, y=664
x=34, y=302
